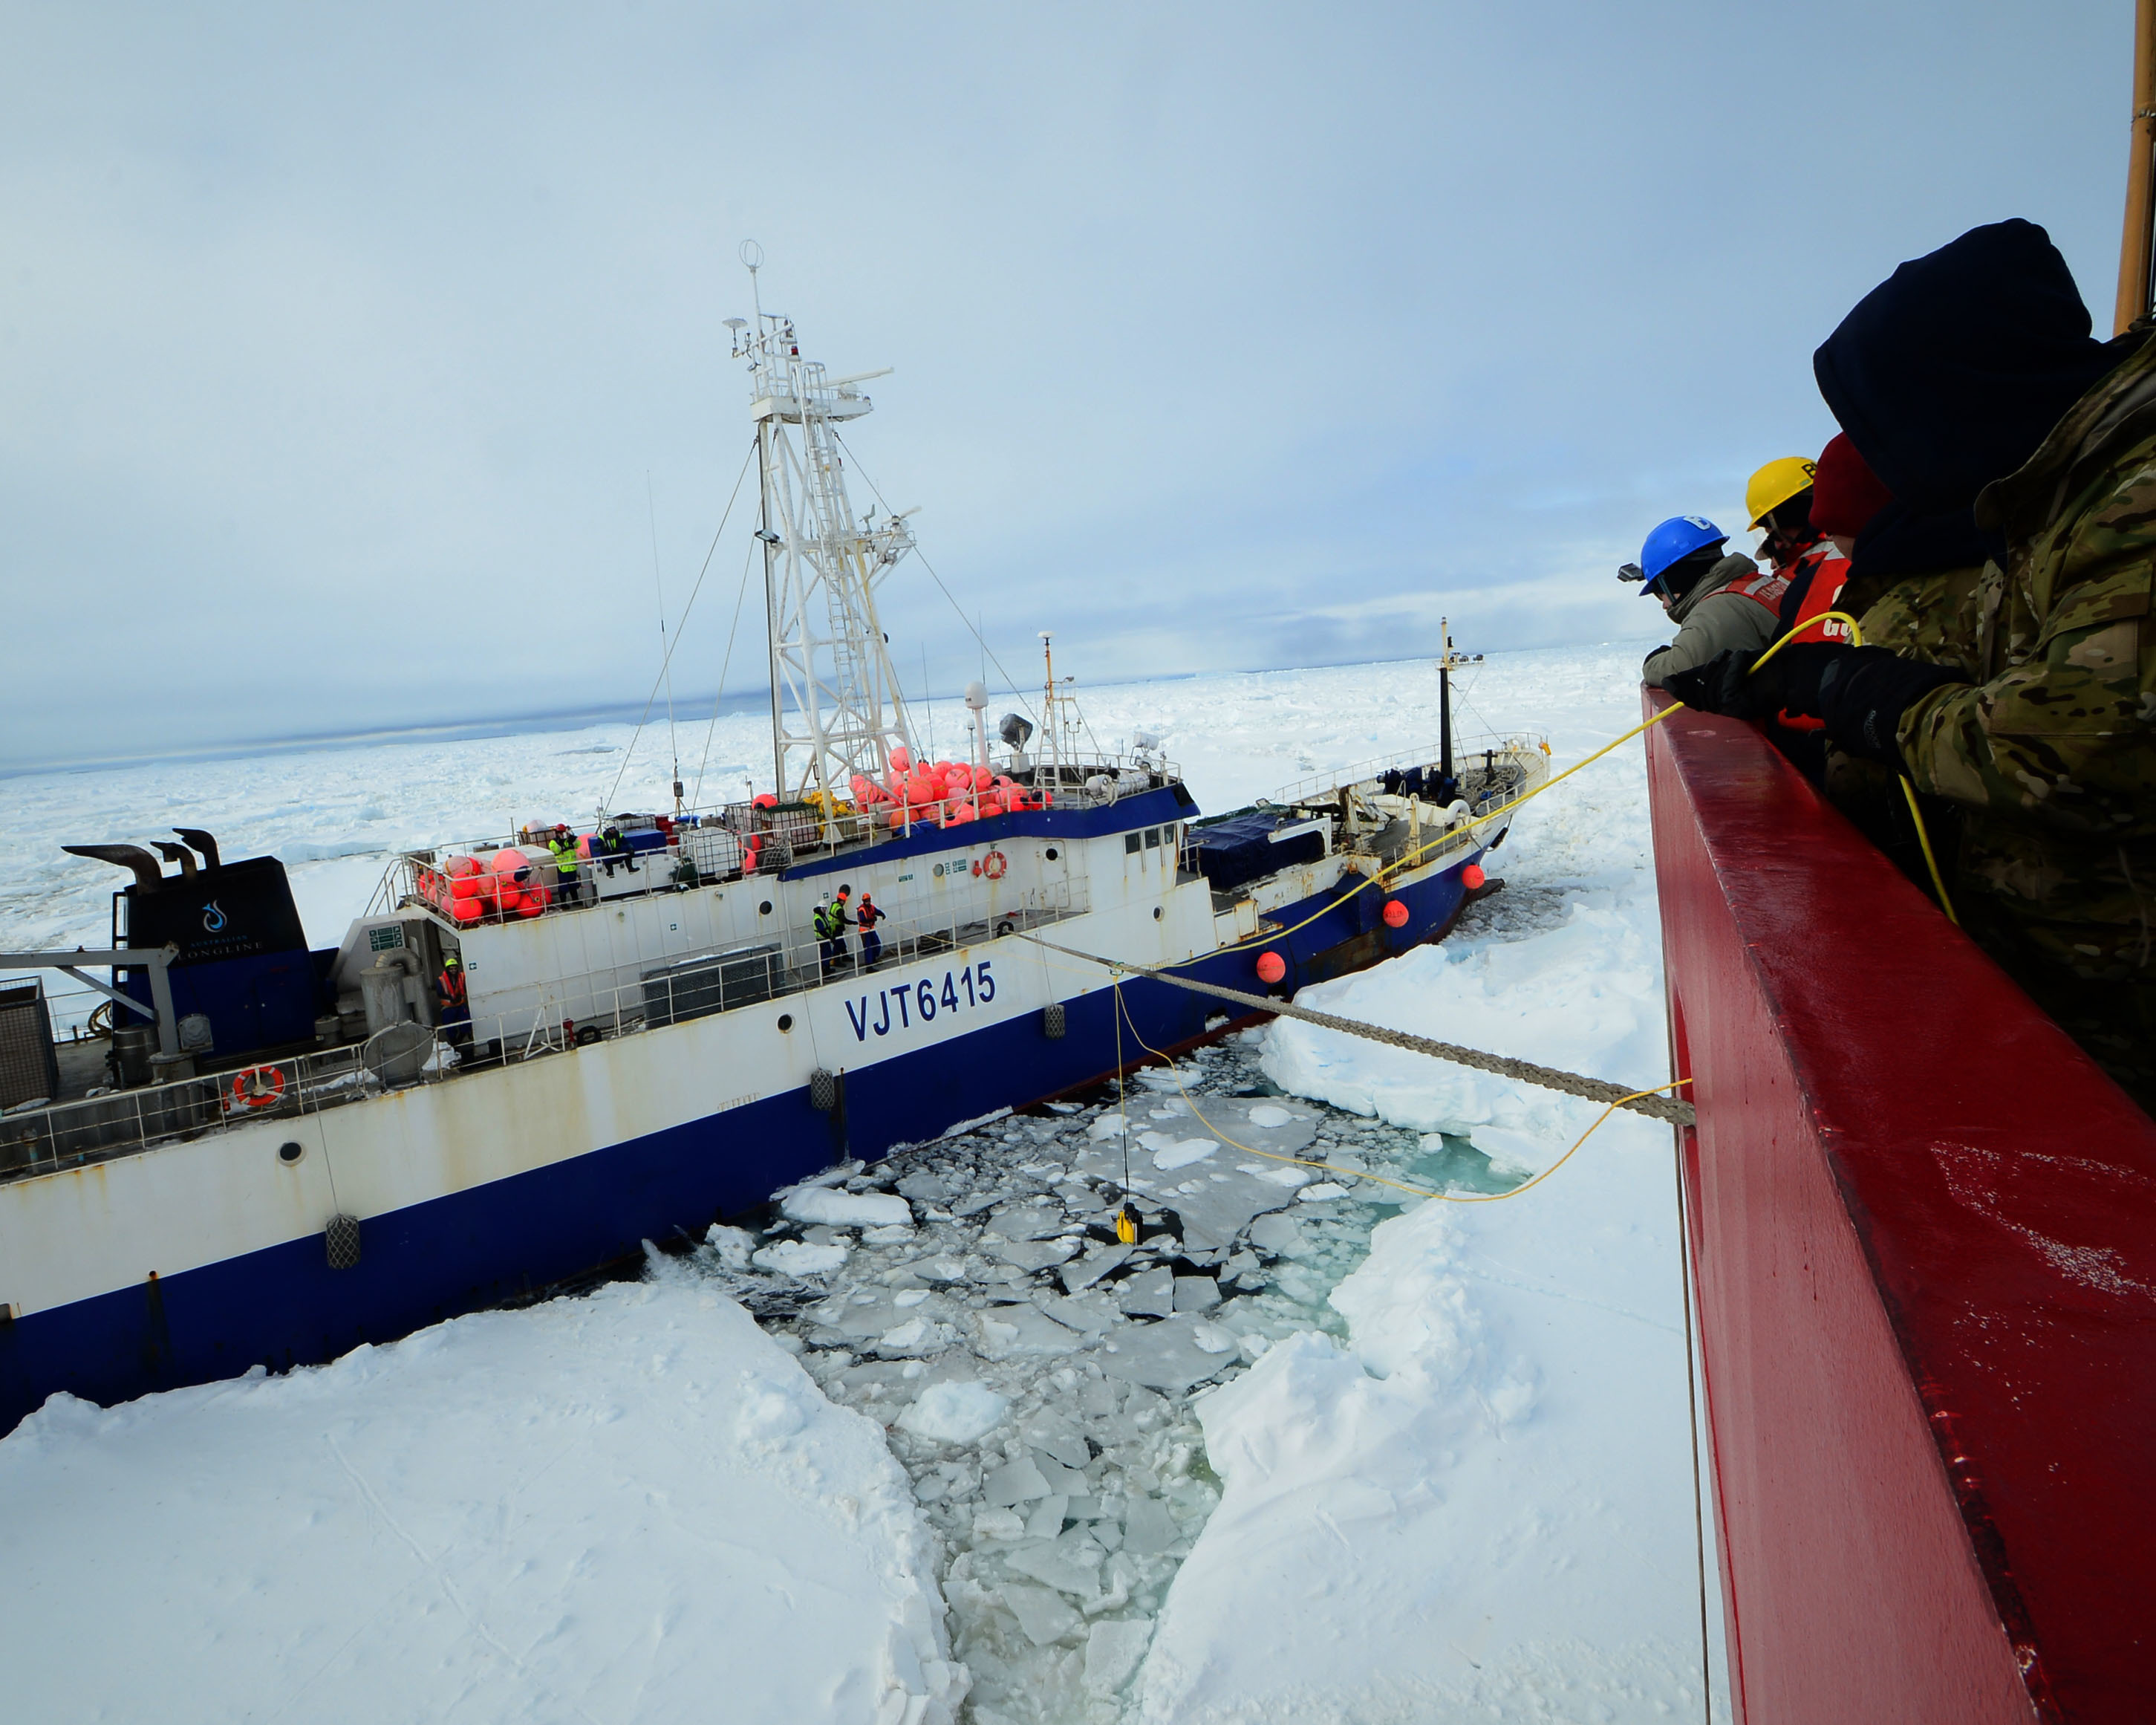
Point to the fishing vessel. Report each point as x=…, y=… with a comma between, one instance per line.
x=279, y=1153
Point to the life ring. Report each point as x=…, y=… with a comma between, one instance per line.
x=993, y=864
x=258, y=1087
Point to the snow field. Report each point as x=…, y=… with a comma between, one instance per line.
x=621, y=1506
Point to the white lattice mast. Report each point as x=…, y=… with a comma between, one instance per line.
x=836, y=706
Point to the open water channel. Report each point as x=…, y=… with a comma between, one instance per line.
x=1038, y=1377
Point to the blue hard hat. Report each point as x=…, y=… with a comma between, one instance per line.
x=1677, y=538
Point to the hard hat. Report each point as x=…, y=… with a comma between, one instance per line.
x=1774, y=484
x=1678, y=536
x=453, y=959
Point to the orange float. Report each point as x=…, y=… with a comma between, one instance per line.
x=1272, y=967
x=1396, y=914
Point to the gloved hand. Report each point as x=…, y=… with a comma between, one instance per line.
x=1728, y=682
x=1721, y=685
x=1862, y=694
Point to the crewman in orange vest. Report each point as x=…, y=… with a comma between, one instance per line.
x=1782, y=503
x=456, y=1009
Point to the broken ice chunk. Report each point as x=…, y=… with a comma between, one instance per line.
x=1113, y=1650
x=1163, y=1357
x=819, y=1204
x=1321, y=1191
x=799, y=1258
x=1211, y=1338
x=957, y=1411
x=1148, y=1529
x=1265, y=1114
x=1033, y=1255
x=914, y=1296
x=894, y=1235
x=1046, y=1521
x=732, y=1244
x=1109, y=1125
x=1152, y=1294
x=1069, y=1481
x=1015, y=1482
x=1047, y=1432
x=1169, y=1154
x=1043, y=1615
x=928, y=1188
x=907, y=1337
x=1280, y=1235
x=999, y=1524
x=1081, y=1275
x=1021, y=1329
x=1196, y=1293
x=1063, y=1567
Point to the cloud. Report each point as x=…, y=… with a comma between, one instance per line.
x=351, y=361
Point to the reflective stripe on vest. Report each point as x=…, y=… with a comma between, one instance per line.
x=1765, y=589
x=1830, y=574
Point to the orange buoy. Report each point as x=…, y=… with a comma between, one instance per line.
x=467, y=910
x=1272, y=967
x=1396, y=914
x=1472, y=877
x=534, y=900
x=901, y=760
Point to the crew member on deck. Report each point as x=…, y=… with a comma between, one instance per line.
x=866, y=918
x=1720, y=603
x=1969, y=382
x=562, y=844
x=1780, y=497
x=456, y=1009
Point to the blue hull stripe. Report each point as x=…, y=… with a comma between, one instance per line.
x=284, y=1306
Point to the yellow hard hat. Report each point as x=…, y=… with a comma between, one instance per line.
x=1774, y=484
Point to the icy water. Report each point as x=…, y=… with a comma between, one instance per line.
x=1036, y=1377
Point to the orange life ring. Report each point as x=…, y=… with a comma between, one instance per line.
x=258, y=1087
x=993, y=864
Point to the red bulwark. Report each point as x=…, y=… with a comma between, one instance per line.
x=1926, y=1235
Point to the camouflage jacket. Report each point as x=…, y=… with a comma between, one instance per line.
x=1931, y=618
x=2051, y=753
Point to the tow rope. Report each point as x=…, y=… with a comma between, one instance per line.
x=1549, y=1078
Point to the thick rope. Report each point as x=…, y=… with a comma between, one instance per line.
x=1549, y=1078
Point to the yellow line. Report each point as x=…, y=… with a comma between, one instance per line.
x=1421, y=1192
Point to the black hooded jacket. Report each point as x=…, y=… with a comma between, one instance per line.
x=1898, y=542
x=1948, y=374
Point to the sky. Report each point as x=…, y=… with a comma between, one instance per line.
x=365, y=369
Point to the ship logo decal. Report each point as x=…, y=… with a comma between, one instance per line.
x=213, y=918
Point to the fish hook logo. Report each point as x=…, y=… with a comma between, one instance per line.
x=213, y=918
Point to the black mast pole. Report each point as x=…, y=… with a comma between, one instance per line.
x=1445, y=704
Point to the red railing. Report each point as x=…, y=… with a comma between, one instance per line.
x=1925, y=1230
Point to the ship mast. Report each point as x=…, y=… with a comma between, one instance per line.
x=1446, y=661
x=836, y=706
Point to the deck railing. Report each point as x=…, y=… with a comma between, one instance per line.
x=722, y=979
x=1466, y=753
